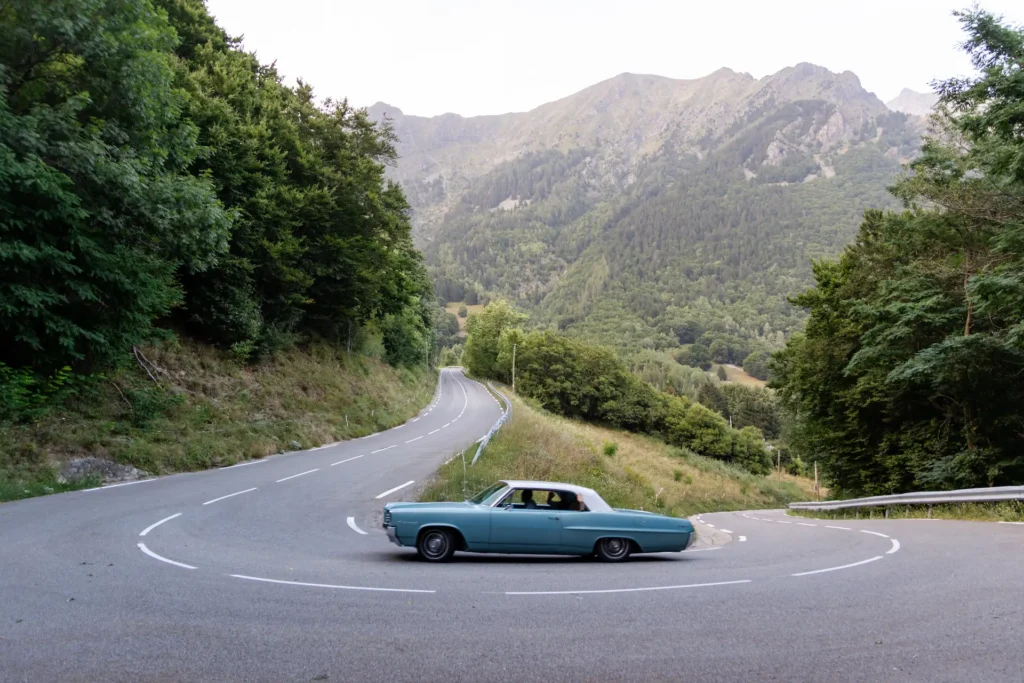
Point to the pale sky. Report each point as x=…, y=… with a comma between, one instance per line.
x=428, y=57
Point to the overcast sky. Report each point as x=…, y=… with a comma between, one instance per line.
x=429, y=57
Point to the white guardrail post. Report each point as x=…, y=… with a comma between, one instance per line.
x=501, y=420
x=994, y=494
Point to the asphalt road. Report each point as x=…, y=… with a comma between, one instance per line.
x=279, y=571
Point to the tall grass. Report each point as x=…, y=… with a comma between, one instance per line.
x=639, y=473
x=209, y=411
x=1007, y=511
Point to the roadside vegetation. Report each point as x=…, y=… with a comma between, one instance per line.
x=208, y=410
x=979, y=512
x=628, y=470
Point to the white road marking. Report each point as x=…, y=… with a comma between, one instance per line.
x=127, y=483
x=841, y=528
x=327, y=585
x=895, y=546
x=352, y=525
x=627, y=590
x=346, y=460
x=742, y=539
x=873, y=533
x=434, y=432
x=845, y=566
x=143, y=548
x=229, y=495
x=384, y=449
x=806, y=524
x=701, y=550
x=415, y=419
x=711, y=525
x=726, y=531
x=396, y=488
x=1005, y=522
x=243, y=464
x=416, y=439
x=398, y=427
x=153, y=526
x=781, y=521
x=447, y=425
x=297, y=475
x=369, y=435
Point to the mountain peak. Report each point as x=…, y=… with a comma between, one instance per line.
x=913, y=102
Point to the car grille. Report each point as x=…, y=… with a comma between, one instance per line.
x=387, y=518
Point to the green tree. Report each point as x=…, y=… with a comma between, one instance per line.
x=463, y=311
x=484, y=332
x=721, y=374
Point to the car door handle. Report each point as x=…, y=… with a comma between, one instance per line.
x=553, y=517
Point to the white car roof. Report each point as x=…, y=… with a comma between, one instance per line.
x=591, y=498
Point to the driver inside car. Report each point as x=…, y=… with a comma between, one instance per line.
x=528, y=500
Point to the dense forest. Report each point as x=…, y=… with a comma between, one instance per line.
x=155, y=178
x=910, y=374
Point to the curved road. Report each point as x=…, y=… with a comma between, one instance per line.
x=277, y=570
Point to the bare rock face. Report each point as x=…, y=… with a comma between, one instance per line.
x=108, y=471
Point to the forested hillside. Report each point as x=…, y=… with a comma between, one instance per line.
x=910, y=374
x=157, y=180
x=648, y=213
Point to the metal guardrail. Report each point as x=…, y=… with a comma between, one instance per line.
x=995, y=494
x=497, y=425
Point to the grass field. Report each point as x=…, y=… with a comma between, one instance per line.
x=734, y=373
x=628, y=470
x=210, y=411
x=453, y=308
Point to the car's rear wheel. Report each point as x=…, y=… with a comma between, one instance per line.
x=613, y=549
x=436, y=545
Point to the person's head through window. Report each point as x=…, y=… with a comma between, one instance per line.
x=528, y=499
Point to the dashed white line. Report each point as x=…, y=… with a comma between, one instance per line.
x=805, y=524
x=153, y=526
x=447, y=425
x=743, y=539
x=710, y=525
x=352, y=525
x=416, y=439
x=873, y=533
x=845, y=566
x=127, y=483
x=143, y=548
x=396, y=488
x=346, y=460
x=384, y=449
x=327, y=585
x=627, y=590
x=243, y=464
x=780, y=521
x=297, y=475
x=841, y=528
x=434, y=432
x=895, y=546
x=726, y=531
x=230, y=495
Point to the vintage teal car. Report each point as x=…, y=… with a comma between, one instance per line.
x=534, y=517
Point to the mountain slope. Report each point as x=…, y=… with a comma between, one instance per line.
x=915, y=103
x=643, y=209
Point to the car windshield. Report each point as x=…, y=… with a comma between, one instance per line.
x=486, y=497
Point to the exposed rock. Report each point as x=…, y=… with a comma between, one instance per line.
x=108, y=471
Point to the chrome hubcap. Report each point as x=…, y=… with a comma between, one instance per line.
x=435, y=544
x=615, y=547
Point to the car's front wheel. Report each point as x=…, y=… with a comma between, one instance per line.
x=614, y=549
x=436, y=545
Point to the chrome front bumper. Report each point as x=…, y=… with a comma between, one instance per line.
x=392, y=536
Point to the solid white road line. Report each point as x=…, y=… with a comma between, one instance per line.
x=841, y=528
x=153, y=526
x=396, y=488
x=1005, y=522
x=895, y=546
x=297, y=475
x=416, y=439
x=379, y=450
x=845, y=566
x=230, y=495
x=435, y=431
x=127, y=483
x=806, y=524
x=243, y=464
x=352, y=525
x=346, y=460
x=327, y=585
x=398, y=427
x=742, y=539
x=873, y=533
x=143, y=548
x=627, y=590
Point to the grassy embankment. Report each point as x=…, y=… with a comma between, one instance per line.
x=628, y=470
x=978, y=512
x=210, y=411
x=453, y=308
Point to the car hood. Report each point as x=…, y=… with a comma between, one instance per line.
x=428, y=506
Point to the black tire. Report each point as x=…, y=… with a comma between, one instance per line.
x=613, y=549
x=436, y=545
